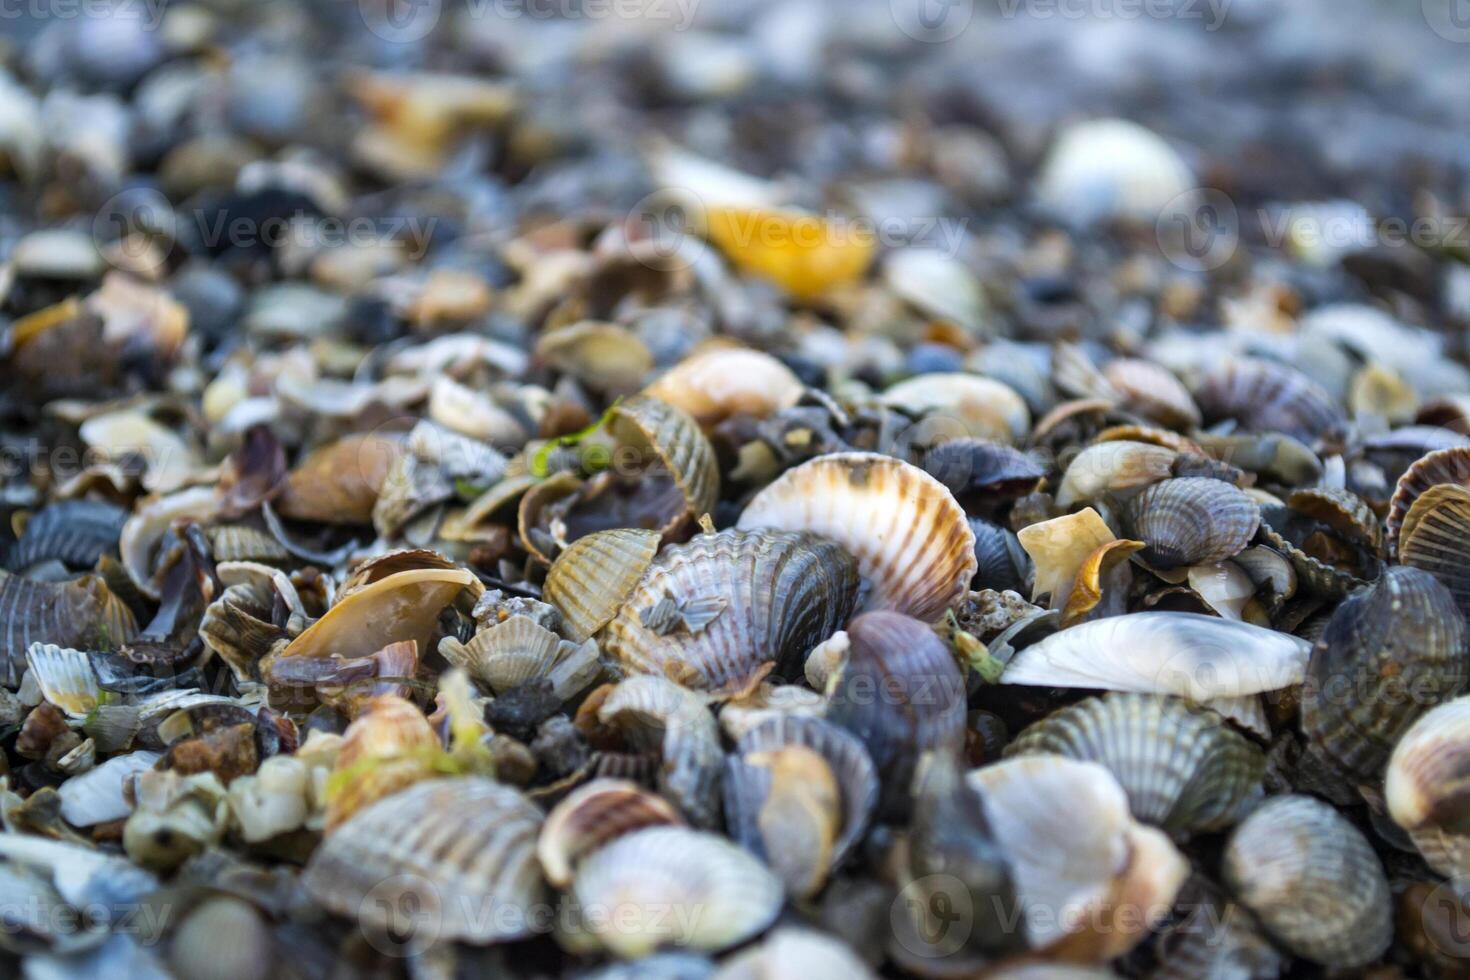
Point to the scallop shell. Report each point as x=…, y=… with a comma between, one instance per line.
x=65, y=677
x=773, y=595
x=453, y=849
x=1264, y=396
x=674, y=886
x=592, y=816
x=1313, y=880
x=518, y=651
x=901, y=693
x=1152, y=391
x=82, y=612
x=658, y=715
x=913, y=544
x=963, y=405
x=681, y=449
x=1111, y=467
x=1191, y=521
x=590, y=579
x=391, y=745
x=75, y=532
x=1182, y=767
x=1435, y=539
x=1387, y=653
x=1184, y=654
x=711, y=385
x=1342, y=510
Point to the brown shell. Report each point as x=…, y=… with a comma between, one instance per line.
x=339, y=482
x=1343, y=511
x=713, y=384
x=1152, y=391
x=591, y=578
x=593, y=815
x=1442, y=466
x=1191, y=521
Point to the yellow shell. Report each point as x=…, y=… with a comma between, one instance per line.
x=804, y=254
x=590, y=579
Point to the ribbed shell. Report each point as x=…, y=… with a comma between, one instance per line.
x=714, y=384
x=1192, y=521
x=590, y=579
x=1313, y=880
x=991, y=470
x=782, y=594
x=1183, y=768
x=76, y=532
x=857, y=779
x=592, y=816
x=1425, y=788
x=1342, y=510
x=1451, y=465
x=658, y=715
x=1264, y=396
x=65, y=677
x=1436, y=538
x=674, y=886
x=1315, y=575
x=458, y=849
x=913, y=545
x=1388, y=653
x=78, y=613
x=901, y=693
x=680, y=446
x=241, y=542
x=519, y=650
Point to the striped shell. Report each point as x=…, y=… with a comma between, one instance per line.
x=656, y=715
x=959, y=405
x=773, y=596
x=1425, y=787
x=1313, y=881
x=592, y=816
x=1346, y=513
x=449, y=848
x=1436, y=538
x=1191, y=521
x=713, y=384
x=65, y=677
x=1264, y=396
x=679, y=447
x=672, y=886
x=518, y=651
x=1387, y=653
x=914, y=547
x=75, y=532
x=1450, y=465
x=80, y=613
x=1182, y=767
x=590, y=579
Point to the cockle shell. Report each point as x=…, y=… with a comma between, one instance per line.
x=593, y=815
x=1191, y=521
x=169, y=458
x=1424, y=788
x=462, y=850
x=1313, y=880
x=590, y=579
x=711, y=385
x=656, y=715
x=957, y=405
x=1434, y=539
x=80, y=613
x=520, y=650
x=1182, y=767
x=1265, y=396
x=913, y=544
x=714, y=612
x=65, y=677
x=1153, y=391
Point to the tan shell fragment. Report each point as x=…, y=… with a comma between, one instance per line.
x=1110, y=467
x=711, y=385
x=339, y=483
x=914, y=546
x=963, y=405
x=391, y=745
x=400, y=606
x=1060, y=548
x=590, y=579
x=1091, y=581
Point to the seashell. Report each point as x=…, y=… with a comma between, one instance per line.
x=98, y=796
x=1002, y=564
x=1111, y=467
x=1152, y=391
x=1293, y=535
x=151, y=522
x=846, y=760
x=241, y=542
x=448, y=848
x=805, y=254
x=65, y=677
x=1403, y=634
x=1104, y=170
x=223, y=938
x=391, y=745
x=1225, y=587
x=274, y=800
x=1184, y=654
x=657, y=715
x=1343, y=511
x=712, y=613
x=1060, y=548
x=792, y=952
x=1213, y=937
x=739, y=715
x=472, y=413
x=1105, y=570
x=922, y=701
x=1424, y=788
x=593, y=575
x=170, y=461
x=639, y=877
x=176, y=817
x=1081, y=866
x=988, y=472
x=1182, y=767
x=592, y=816
x=519, y=651
x=714, y=384
x=1378, y=391
x=1444, y=466
x=956, y=405
x=1433, y=538
x=339, y=483
x=1275, y=456
x=1265, y=396
x=1152, y=435
x=914, y=548
x=938, y=285
x=75, y=532
x=784, y=805
x=605, y=356
x=1191, y=521
x=1313, y=881
x=80, y=613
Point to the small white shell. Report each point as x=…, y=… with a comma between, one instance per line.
x=1111, y=169
x=97, y=796
x=65, y=677
x=714, y=384
x=520, y=650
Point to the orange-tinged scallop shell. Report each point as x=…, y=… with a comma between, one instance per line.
x=390, y=746
x=590, y=579
x=1442, y=466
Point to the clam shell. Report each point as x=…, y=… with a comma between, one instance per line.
x=774, y=595
x=1152, y=391
x=82, y=612
x=453, y=848
x=75, y=532
x=1313, y=881
x=1182, y=767
x=1184, y=654
x=963, y=405
x=674, y=886
x=520, y=650
x=339, y=482
x=1191, y=521
x=592, y=816
x=658, y=715
x=1424, y=787
x=397, y=607
x=1265, y=396
x=65, y=677
x=913, y=544
x=1435, y=539
x=1387, y=653
x=711, y=385
x=590, y=579
x=901, y=693
x=1110, y=467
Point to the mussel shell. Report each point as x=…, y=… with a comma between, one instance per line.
x=1191, y=521
x=590, y=579
x=901, y=693
x=1436, y=538
x=452, y=848
x=1313, y=880
x=1001, y=563
x=1387, y=653
x=912, y=542
x=778, y=594
x=988, y=472
x=1183, y=768
x=1265, y=396
x=1450, y=465
x=74, y=532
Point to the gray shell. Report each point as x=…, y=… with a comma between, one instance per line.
x=1191, y=521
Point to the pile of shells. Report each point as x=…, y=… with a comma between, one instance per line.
x=493, y=495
